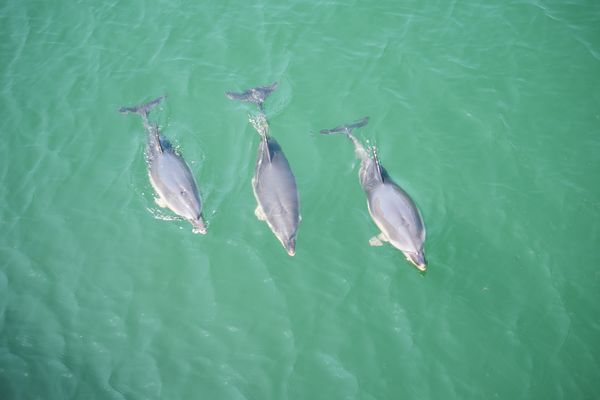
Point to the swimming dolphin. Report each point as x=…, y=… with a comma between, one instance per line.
x=169, y=174
x=391, y=208
x=273, y=183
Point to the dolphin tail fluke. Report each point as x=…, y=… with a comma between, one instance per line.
x=347, y=128
x=256, y=95
x=141, y=109
x=152, y=129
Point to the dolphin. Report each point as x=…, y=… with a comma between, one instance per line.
x=274, y=185
x=169, y=174
x=391, y=208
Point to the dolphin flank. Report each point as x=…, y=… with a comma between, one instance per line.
x=169, y=174
x=391, y=208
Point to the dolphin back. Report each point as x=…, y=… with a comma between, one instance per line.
x=174, y=182
x=397, y=215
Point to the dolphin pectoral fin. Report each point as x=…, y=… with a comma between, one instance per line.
x=378, y=240
x=260, y=214
x=160, y=202
x=374, y=241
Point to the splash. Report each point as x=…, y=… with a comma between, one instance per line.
x=260, y=123
x=157, y=213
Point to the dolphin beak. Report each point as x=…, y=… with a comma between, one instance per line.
x=290, y=246
x=199, y=226
x=418, y=260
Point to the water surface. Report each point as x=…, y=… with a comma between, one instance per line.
x=487, y=113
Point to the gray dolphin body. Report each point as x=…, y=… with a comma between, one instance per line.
x=273, y=183
x=169, y=174
x=391, y=208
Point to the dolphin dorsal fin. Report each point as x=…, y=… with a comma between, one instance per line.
x=376, y=159
x=156, y=135
x=265, y=138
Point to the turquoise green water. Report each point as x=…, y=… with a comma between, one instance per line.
x=486, y=112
